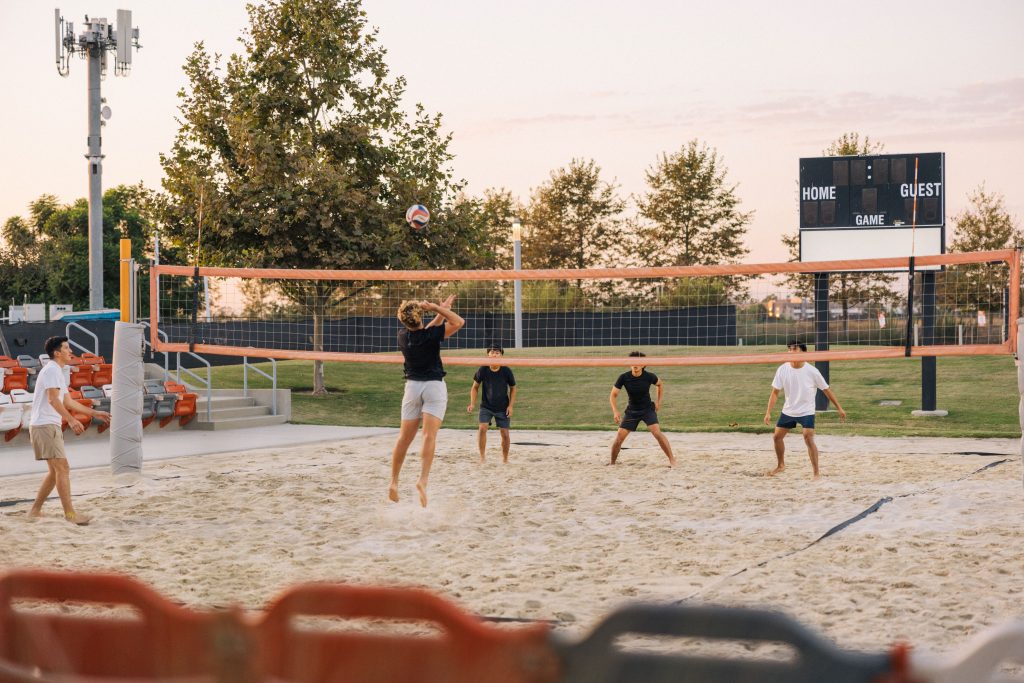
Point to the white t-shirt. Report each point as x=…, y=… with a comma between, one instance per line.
x=50, y=377
x=799, y=385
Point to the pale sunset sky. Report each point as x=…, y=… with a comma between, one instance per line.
x=526, y=86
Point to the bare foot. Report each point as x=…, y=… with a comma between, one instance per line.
x=78, y=518
x=505, y=460
x=481, y=459
x=671, y=462
x=393, y=493
x=422, y=488
x=34, y=514
x=777, y=470
x=817, y=476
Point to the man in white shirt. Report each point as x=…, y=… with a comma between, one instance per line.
x=52, y=405
x=799, y=381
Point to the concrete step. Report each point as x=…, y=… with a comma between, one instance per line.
x=220, y=402
x=200, y=422
x=219, y=413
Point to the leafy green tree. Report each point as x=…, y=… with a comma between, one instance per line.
x=47, y=254
x=985, y=225
x=573, y=220
x=849, y=289
x=690, y=214
x=304, y=158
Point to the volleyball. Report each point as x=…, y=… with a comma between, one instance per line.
x=417, y=216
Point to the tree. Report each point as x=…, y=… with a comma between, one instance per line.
x=691, y=213
x=301, y=156
x=46, y=258
x=849, y=289
x=984, y=226
x=572, y=220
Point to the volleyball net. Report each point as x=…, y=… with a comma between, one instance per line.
x=951, y=304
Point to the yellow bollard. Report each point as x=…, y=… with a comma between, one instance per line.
x=126, y=281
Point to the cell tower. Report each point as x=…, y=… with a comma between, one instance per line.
x=93, y=44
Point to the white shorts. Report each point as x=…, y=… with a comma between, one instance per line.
x=424, y=397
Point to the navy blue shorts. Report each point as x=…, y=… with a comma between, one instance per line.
x=501, y=420
x=789, y=422
x=632, y=419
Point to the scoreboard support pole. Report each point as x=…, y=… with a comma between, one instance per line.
x=927, y=339
x=821, y=333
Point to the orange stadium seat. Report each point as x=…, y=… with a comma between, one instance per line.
x=81, y=376
x=104, y=374
x=184, y=408
x=15, y=378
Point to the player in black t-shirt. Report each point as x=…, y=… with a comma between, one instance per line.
x=638, y=383
x=426, y=396
x=499, y=396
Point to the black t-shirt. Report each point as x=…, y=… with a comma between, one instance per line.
x=638, y=388
x=422, y=351
x=495, y=387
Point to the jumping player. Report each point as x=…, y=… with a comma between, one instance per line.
x=638, y=383
x=426, y=396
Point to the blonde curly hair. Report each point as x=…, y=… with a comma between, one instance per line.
x=410, y=314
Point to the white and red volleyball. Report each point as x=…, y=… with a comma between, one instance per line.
x=417, y=216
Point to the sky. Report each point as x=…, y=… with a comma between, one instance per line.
x=526, y=86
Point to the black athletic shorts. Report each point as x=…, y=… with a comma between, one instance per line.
x=632, y=419
x=789, y=421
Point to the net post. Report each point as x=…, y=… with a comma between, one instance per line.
x=928, y=363
x=1020, y=390
x=154, y=303
x=195, y=311
x=908, y=344
x=821, y=317
x=1013, y=307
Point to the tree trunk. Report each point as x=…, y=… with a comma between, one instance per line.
x=318, y=345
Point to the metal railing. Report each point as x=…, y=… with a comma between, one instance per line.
x=147, y=345
x=208, y=381
x=76, y=345
x=272, y=377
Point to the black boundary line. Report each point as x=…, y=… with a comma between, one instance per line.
x=837, y=528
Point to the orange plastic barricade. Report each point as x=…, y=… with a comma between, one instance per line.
x=160, y=640
x=465, y=649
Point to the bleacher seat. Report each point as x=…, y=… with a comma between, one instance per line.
x=10, y=417
x=148, y=410
x=24, y=399
x=108, y=390
x=99, y=402
x=15, y=378
x=43, y=360
x=93, y=360
x=81, y=376
x=30, y=363
x=104, y=374
x=185, y=407
x=84, y=418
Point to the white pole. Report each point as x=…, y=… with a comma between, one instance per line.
x=517, y=257
x=960, y=333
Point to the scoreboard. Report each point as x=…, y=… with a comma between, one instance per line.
x=864, y=206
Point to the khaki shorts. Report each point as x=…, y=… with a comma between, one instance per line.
x=424, y=397
x=47, y=442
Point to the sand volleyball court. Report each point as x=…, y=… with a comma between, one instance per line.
x=558, y=535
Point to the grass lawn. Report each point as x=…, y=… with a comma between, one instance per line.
x=980, y=394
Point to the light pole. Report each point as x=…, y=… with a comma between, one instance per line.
x=93, y=44
x=517, y=264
